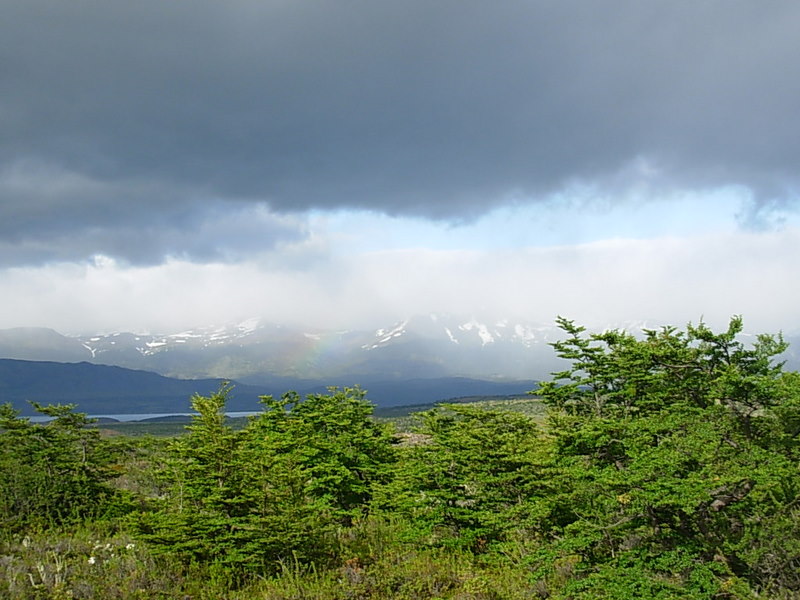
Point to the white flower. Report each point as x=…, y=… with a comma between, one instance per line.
x=130, y=546
x=92, y=560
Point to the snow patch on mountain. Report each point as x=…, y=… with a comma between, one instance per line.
x=524, y=334
x=249, y=325
x=481, y=329
x=417, y=346
x=184, y=335
x=386, y=335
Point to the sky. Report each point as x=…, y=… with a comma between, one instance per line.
x=172, y=163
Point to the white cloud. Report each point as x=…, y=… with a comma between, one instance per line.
x=667, y=279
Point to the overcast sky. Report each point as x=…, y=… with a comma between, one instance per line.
x=169, y=163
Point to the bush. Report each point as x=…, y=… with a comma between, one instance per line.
x=275, y=491
x=673, y=446
x=52, y=473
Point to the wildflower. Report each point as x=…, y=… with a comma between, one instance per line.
x=130, y=546
x=92, y=560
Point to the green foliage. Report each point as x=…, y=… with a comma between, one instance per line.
x=51, y=473
x=332, y=440
x=668, y=468
x=615, y=375
x=424, y=574
x=93, y=562
x=469, y=479
x=275, y=490
x=677, y=444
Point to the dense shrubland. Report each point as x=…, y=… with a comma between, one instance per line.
x=667, y=468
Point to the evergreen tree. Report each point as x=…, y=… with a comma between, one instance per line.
x=677, y=463
x=469, y=481
x=275, y=490
x=53, y=472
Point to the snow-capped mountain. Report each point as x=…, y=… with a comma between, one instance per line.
x=450, y=345
x=463, y=332
x=422, y=346
x=233, y=350
x=256, y=350
x=412, y=361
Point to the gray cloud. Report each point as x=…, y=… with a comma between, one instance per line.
x=144, y=115
x=663, y=281
x=53, y=215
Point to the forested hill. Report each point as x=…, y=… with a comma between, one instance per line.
x=102, y=389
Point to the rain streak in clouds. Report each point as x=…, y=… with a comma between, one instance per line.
x=168, y=163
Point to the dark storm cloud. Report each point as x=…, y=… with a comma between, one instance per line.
x=53, y=215
x=438, y=109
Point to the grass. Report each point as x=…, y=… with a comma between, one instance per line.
x=404, y=420
x=86, y=563
x=413, y=575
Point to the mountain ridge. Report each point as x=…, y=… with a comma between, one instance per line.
x=423, y=346
x=105, y=389
x=433, y=348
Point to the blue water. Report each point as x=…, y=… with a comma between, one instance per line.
x=142, y=416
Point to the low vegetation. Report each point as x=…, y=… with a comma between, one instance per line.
x=664, y=466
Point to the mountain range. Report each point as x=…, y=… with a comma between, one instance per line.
x=253, y=350
x=416, y=360
x=108, y=390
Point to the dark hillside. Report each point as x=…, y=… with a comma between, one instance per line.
x=105, y=389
